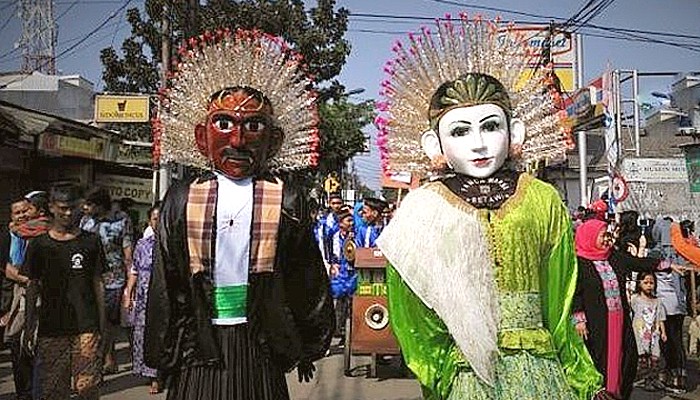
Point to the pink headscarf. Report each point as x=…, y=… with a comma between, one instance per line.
x=586, y=236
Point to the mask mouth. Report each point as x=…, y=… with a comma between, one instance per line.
x=230, y=153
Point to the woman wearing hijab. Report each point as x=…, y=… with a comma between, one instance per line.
x=601, y=312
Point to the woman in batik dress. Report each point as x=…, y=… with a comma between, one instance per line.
x=139, y=278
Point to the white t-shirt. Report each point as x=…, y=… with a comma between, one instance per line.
x=234, y=215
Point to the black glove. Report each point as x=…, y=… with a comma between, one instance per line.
x=306, y=369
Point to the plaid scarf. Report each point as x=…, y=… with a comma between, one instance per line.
x=31, y=228
x=201, y=207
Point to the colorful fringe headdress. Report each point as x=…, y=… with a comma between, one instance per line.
x=458, y=47
x=224, y=59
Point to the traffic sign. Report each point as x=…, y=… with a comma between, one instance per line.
x=331, y=185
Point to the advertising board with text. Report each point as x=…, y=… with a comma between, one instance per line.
x=138, y=189
x=563, y=51
x=110, y=108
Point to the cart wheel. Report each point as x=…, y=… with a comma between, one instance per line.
x=347, y=351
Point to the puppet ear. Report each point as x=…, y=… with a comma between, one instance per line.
x=517, y=132
x=200, y=139
x=431, y=144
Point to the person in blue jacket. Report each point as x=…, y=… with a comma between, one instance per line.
x=342, y=272
x=367, y=234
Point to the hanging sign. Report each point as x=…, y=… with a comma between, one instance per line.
x=655, y=170
x=94, y=148
x=138, y=189
x=110, y=108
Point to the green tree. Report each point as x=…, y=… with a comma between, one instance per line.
x=363, y=191
x=341, y=131
x=390, y=194
x=317, y=34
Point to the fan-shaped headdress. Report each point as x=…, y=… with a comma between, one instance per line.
x=465, y=54
x=213, y=62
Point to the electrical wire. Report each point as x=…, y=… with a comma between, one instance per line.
x=592, y=14
x=66, y=42
x=9, y=18
x=629, y=34
x=64, y=13
x=368, y=17
x=8, y=5
x=68, y=50
x=578, y=15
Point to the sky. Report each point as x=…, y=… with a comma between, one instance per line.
x=372, y=34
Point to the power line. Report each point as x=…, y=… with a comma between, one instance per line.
x=548, y=17
x=408, y=18
x=43, y=29
x=82, y=40
x=686, y=46
x=9, y=18
x=587, y=13
x=575, y=18
x=622, y=31
x=66, y=42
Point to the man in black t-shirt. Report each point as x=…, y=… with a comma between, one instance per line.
x=65, y=268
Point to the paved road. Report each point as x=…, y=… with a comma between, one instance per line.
x=328, y=384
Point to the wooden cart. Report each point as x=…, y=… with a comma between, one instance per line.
x=367, y=331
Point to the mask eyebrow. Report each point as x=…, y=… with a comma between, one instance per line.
x=489, y=117
x=459, y=122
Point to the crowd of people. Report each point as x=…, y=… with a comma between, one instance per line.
x=231, y=285
x=633, y=294
x=338, y=232
x=72, y=287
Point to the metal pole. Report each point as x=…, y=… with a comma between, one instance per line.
x=635, y=100
x=163, y=172
x=618, y=108
x=582, y=144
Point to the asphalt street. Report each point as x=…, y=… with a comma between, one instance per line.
x=329, y=383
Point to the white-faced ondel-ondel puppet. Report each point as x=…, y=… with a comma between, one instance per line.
x=480, y=303
x=239, y=292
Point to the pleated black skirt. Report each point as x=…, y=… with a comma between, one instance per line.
x=244, y=375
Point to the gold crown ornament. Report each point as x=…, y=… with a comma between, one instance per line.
x=469, y=61
x=244, y=58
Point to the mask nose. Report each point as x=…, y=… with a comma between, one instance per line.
x=235, y=137
x=478, y=143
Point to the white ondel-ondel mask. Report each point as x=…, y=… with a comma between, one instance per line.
x=475, y=140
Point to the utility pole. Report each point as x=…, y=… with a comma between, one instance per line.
x=582, y=140
x=192, y=10
x=163, y=173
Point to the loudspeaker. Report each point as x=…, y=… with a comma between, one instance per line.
x=371, y=332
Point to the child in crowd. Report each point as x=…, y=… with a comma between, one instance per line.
x=648, y=325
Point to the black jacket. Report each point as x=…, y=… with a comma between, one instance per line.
x=290, y=313
x=590, y=298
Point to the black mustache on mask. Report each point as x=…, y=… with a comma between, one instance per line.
x=235, y=154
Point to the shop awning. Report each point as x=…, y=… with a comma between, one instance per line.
x=16, y=121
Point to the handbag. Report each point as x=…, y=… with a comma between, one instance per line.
x=17, y=314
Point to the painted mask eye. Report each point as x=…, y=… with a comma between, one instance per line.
x=254, y=126
x=461, y=130
x=491, y=126
x=223, y=123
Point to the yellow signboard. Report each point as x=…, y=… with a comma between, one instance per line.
x=110, y=108
x=563, y=51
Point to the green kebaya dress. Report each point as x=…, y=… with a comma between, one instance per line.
x=480, y=299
